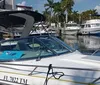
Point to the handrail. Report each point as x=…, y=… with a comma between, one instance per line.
x=95, y=51
x=56, y=67
x=54, y=73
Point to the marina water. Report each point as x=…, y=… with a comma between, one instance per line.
x=85, y=44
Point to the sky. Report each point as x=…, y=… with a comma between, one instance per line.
x=80, y=5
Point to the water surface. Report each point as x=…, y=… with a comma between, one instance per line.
x=85, y=44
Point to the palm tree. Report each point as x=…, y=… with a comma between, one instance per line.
x=49, y=6
x=58, y=12
x=66, y=5
x=59, y=9
x=47, y=15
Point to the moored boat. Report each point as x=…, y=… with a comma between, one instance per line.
x=71, y=28
x=43, y=60
x=91, y=27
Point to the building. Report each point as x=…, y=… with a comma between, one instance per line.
x=21, y=7
x=7, y=4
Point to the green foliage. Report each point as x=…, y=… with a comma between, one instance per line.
x=57, y=9
x=55, y=12
x=49, y=5
x=66, y=5
x=88, y=14
x=74, y=16
x=47, y=15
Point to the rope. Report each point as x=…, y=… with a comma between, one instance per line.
x=53, y=74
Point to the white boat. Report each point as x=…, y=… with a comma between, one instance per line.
x=43, y=60
x=71, y=28
x=91, y=27
x=43, y=31
x=38, y=29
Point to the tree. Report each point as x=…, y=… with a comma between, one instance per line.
x=66, y=5
x=47, y=15
x=61, y=7
x=49, y=6
x=74, y=16
x=58, y=9
x=86, y=15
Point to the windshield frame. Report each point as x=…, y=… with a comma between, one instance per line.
x=68, y=48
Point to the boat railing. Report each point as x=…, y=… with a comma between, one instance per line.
x=43, y=27
x=95, y=52
x=44, y=66
x=51, y=71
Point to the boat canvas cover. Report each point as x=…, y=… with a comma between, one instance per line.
x=8, y=19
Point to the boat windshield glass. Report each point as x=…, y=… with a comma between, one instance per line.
x=71, y=25
x=95, y=25
x=32, y=47
x=88, y=25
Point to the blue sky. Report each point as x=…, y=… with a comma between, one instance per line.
x=80, y=5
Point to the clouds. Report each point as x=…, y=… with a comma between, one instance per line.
x=97, y=8
x=23, y=3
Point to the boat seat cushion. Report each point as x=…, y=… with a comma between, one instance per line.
x=11, y=55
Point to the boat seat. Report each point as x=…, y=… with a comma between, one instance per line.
x=22, y=46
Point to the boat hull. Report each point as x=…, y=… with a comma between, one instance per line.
x=97, y=33
x=91, y=27
x=70, y=32
x=59, y=72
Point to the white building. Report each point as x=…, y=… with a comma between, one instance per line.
x=7, y=4
x=21, y=7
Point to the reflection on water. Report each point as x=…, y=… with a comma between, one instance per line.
x=85, y=44
x=89, y=42
x=71, y=40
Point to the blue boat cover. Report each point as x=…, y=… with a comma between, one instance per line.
x=11, y=55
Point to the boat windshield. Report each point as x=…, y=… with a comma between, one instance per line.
x=32, y=47
x=71, y=25
x=95, y=25
x=92, y=25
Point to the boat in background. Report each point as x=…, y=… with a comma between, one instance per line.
x=71, y=28
x=38, y=29
x=91, y=27
x=42, y=28
x=42, y=60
